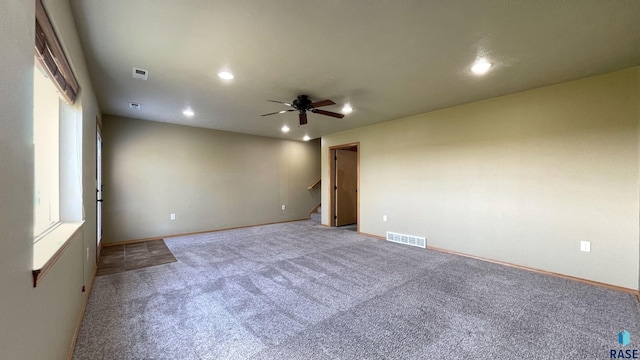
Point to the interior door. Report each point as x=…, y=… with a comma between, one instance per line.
x=98, y=194
x=346, y=187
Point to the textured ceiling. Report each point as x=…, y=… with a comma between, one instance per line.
x=388, y=59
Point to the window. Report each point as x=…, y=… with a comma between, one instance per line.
x=46, y=148
x=55, y=131
x=57, y=141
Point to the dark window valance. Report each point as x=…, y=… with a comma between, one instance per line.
x=50, y=54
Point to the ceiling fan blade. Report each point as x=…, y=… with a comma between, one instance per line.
x=303, y=118
x=328, y=113
x=281, y=102
x=278, y=112
x=321, y=103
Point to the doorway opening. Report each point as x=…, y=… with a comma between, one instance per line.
x=344, y=183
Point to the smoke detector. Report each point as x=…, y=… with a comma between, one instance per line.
x=140, y=74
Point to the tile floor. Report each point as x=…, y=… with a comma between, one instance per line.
x=120, y=258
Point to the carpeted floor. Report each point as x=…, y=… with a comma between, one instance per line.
x=303, y=291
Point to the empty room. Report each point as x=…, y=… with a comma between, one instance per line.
x=320, y=180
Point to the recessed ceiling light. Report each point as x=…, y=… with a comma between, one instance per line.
x=306, y=138
x=188, y=112
x=285, y=129
x=282, y=112
x=347, y=109
x=225, y=75
x=481, y=67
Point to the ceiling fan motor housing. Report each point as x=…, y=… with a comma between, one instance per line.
x=302, y=103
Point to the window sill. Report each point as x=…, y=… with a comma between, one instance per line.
x=49, y=249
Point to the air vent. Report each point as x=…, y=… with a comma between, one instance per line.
x=140, y=74
x=134, y=106
x=407, y=239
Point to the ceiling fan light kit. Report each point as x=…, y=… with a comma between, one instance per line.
x=302, y=104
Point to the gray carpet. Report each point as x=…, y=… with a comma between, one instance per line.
x=303, y=291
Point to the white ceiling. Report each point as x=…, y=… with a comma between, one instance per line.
x=389, y=59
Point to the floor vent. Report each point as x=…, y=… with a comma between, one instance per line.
x=407, y=239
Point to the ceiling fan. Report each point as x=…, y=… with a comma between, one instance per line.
x=302, y=104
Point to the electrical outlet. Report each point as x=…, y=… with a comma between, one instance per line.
x=585, y=246
x=283, y=207
x=384, y=217
x=173, y=216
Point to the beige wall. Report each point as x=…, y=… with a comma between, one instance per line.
x=521, y=178
x=38, y=323
x=210, y=179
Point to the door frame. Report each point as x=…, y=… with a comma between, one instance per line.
x=99, y=174
x=332, y=182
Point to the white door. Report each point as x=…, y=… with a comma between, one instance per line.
x=98, y=194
